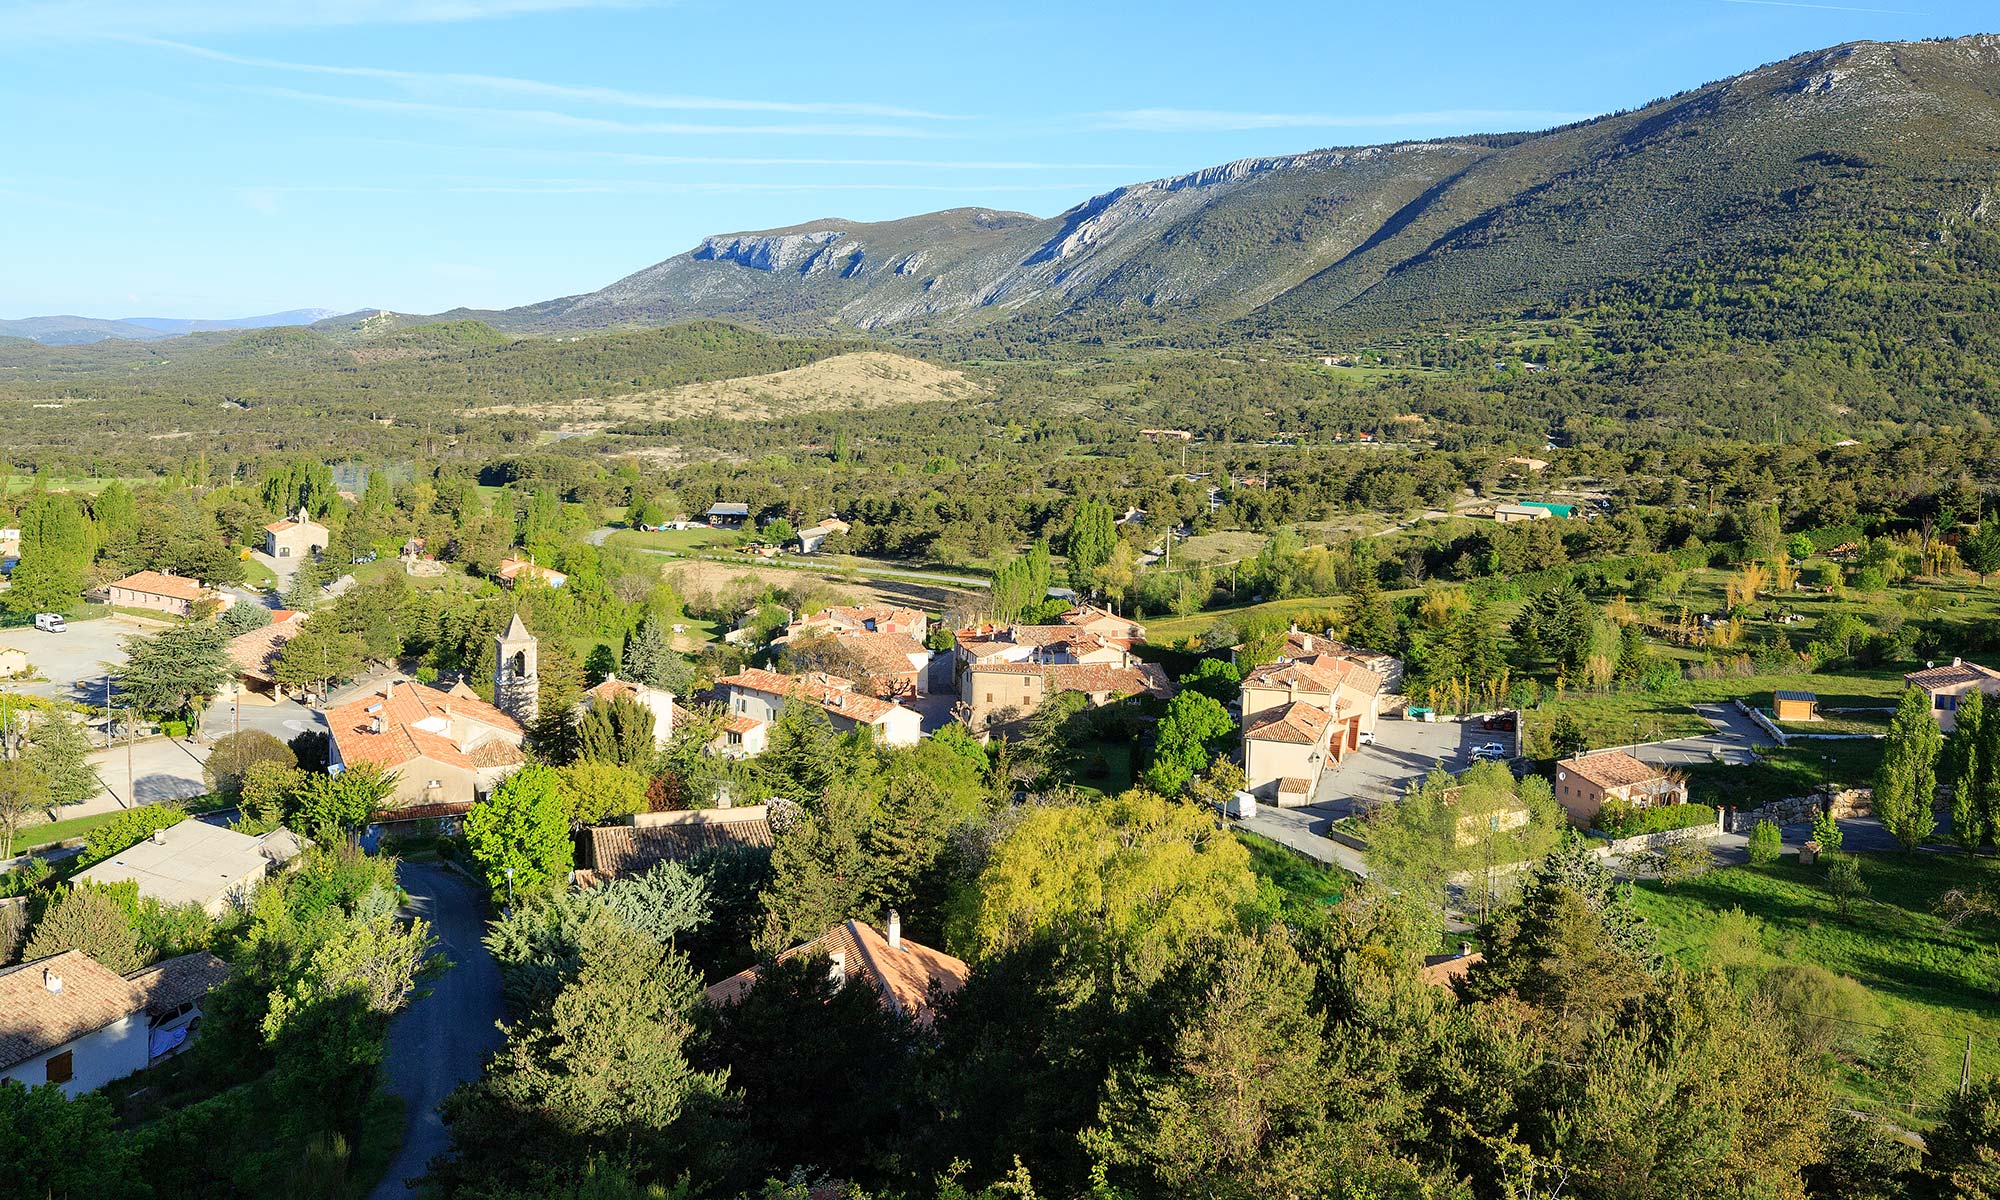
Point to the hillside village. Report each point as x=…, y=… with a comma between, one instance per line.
x=1466, y=668
x=804, y=759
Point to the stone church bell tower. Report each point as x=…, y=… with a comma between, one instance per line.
x=516, y=687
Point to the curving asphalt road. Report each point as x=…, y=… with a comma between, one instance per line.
x=446, y=1037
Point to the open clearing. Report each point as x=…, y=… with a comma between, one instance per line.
x=861, y=380
x=702, y=578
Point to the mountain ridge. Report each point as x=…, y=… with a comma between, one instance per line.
x=1369, y=234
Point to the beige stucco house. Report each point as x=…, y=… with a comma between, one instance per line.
x=174, y=595
x=1948, y=686
x=760, y=695
x=297, y=536
x=1586, y=782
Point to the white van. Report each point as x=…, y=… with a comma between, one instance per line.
x=51, y=623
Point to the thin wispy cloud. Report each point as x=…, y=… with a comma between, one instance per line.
x=90, y=18
x=582, y=94
x=258, y=194
x=1197, y=120
x=1887, y=12
x=518, y=118
x=635, y=158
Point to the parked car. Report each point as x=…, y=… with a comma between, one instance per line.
x=51, y=623
x=1368, y=738
x=1489, y=752
x=363, y=558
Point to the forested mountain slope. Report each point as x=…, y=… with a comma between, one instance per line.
x=1380, y=236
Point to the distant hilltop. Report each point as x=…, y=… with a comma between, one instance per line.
x=68, y=331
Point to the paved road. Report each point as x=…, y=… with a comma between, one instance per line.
x=1735, y=741
x=445, y=1038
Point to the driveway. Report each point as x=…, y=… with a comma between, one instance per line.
x=1734, y=741
x=1404, y=752
x=445, y=1038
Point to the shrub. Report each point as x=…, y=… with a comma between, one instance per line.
x=128, y=829
x=234, y=754
x=1621, y=820
x=1766, y=843
x=92, y=920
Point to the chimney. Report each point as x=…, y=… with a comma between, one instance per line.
x=838, y=970
x=1956, y=661
x=895, y=930
x=722, y=797
x=1464, y=948
x=375, y=724
x=1306, y=642
x=52, y=981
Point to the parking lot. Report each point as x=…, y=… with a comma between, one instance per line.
x=1404, y=751
x=71, y=666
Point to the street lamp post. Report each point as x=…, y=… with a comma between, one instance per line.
x=510, y=887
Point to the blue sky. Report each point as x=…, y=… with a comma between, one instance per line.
x=203, y=158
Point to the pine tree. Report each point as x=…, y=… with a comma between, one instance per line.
x=1370, y=624
x=1906, y=782
x=58, y=749
x=1967, y=771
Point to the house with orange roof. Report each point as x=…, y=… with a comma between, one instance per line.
x=254, y=655
x=761, y=695
x=1948, y=686
x=908, y=977
x=864, y=618
x=1105, y=623
x=158, y=591
x=296, y=536
x=999, y=694
x=1302, y=714
x=513, y=570
x=1586, y=782
x=447, y=749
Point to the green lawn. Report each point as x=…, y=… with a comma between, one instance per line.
x=679, y=540
x=1945, y=983
x=1104, y=767
x=1620, y=718
x=57, y=831
x=1299, y=880
x=69, y=483
x=1781, y=773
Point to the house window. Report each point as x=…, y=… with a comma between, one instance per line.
x=989, y=697
x=1946, y=702
x=61, y=1068
x=735, y=738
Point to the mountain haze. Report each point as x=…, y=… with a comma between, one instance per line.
x=1378, y=235
x=70, y=330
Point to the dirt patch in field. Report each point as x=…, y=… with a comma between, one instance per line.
x=701, y=580
x=862, y=380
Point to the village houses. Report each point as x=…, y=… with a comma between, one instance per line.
x=757, y=696
x=211, y=867
x=75, y=1023
x=157, y=591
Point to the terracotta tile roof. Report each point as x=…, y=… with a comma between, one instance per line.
x=1611, y=769
x=1092, y=678
x=884, y=653
x=513, y=568
x=902, y=977
x=168, y=985
x=255, y=653
x=1443, y=970
x=869, y=618
x=1087, y=615
x=405, y=704
x=737, y=723
x=153, y=583
x=830, y=692
x=614, y=850
x=1297, y=723
x=1948, y=676
x=35, y=1020
x=292, y=522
